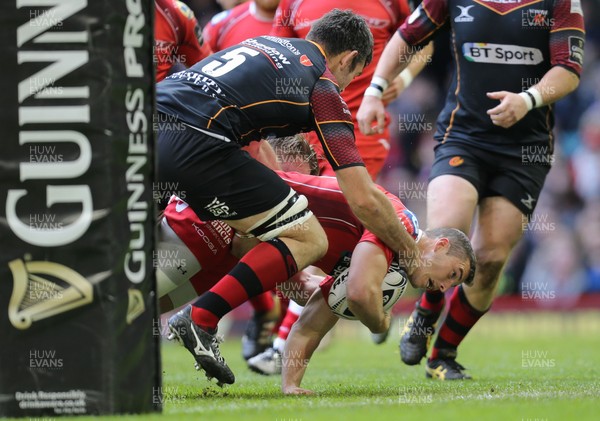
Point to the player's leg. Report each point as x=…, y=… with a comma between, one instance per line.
x=510, y=195
x=492, y=247
x=260, y=327
x=498, y=229
x=174, y=262
x=451, y=202
x=272, y=261
x=257, y=337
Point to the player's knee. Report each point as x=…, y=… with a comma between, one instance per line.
x=489, y=266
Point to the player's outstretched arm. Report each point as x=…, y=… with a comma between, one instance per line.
x=368, y=267
x=557, y=83
x=306, y=334
x=375, y=211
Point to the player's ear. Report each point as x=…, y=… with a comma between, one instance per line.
x=441, y=243
x=347, y=59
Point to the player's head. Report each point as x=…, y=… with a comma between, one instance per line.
x=347, y=41
x=294, y=153
x=447, y=259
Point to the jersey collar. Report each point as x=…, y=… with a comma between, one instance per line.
x=319, y=47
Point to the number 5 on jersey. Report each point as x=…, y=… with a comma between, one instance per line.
x=234, y=58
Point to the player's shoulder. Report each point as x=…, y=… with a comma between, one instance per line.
x=329, y=77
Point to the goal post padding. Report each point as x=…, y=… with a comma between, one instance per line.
x=77, y=286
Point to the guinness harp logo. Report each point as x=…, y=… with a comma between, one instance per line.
x=136, y=306
x=43, y=289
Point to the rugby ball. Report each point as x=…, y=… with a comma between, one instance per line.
x=393, y=287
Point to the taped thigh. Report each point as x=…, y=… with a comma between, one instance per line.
x=291, y=211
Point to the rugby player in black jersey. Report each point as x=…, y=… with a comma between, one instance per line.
x=513, y=60
x=242, y=94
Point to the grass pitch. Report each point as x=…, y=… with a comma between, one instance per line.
x=525, y=367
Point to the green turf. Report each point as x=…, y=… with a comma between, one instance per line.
x=543, y=367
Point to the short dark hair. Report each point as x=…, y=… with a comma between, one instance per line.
x=342, y=30
x=460, y=247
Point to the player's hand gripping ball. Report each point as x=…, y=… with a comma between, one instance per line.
x=393, y=287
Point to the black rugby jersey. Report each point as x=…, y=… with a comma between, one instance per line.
x=265, y=86
x=499, y=45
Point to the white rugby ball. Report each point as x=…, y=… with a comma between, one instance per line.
x=393, y=287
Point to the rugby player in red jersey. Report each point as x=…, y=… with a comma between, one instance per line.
x=247, y=20
x=513, y=60
x=177, y=37
x=294, y=18
x=447, y=260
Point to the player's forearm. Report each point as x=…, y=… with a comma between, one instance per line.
x=314, y=323
x=406, y=76
x=368, y=309
x=368, y=267
x=299, y=347
x=420, y=59
x=395, y=58
x=557, y=83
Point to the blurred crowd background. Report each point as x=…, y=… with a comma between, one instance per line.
x=559, y=256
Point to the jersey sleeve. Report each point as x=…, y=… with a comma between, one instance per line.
x=192, y=46
x=424, y=21
x=283, y=25
x=567, y=35
x=333, y=124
